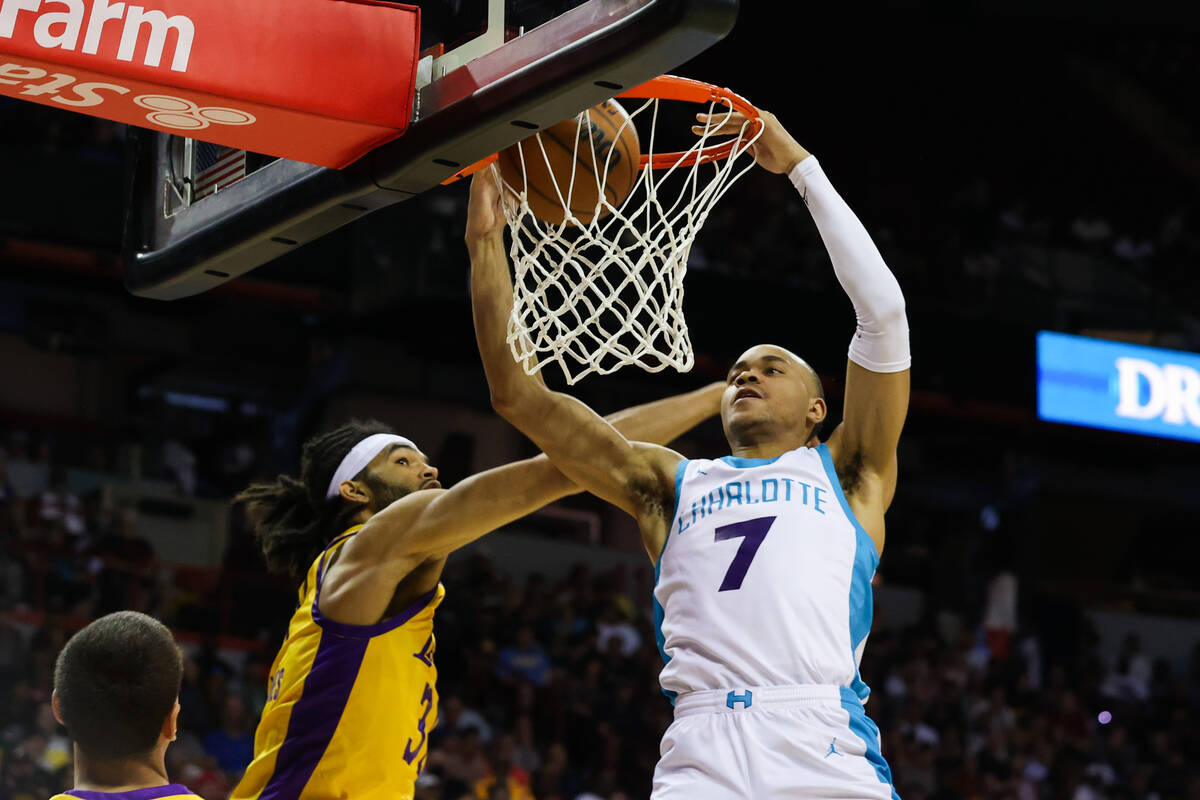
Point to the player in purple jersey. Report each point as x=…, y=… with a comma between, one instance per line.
x=116, y=689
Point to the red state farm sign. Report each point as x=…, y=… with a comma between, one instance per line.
x=322, y=81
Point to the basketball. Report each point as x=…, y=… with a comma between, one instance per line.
x=607, y=156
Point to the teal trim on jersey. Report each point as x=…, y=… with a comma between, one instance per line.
x=864, y=728
x=679, y=472
x=831, y=473
x=658, y=621
x=658, y=609
x=866, y=559
x=747, y=463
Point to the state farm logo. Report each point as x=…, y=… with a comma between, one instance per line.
x=166, y=111
x=62, y=29
x=184, y=115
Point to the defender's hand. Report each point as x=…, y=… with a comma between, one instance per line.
x=485, y=209
x=775, y=151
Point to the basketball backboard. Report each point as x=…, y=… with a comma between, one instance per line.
x=493, y=71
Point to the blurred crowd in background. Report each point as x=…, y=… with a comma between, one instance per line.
x=549, y=686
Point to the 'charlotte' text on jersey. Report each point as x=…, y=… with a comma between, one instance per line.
x=765, y=490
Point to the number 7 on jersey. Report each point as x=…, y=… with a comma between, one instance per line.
x=753, y=531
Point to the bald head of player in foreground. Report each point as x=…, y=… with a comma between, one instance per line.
x=116, y=690
x=364, y=533
x=738, y=607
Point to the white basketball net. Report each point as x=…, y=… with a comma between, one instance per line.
x=595, y=297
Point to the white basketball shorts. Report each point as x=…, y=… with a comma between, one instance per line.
x=769, y=743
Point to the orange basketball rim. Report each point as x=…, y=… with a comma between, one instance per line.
x=672, y=87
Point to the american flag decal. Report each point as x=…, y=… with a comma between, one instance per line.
x=217, y=168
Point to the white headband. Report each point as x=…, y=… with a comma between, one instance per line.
x=361, y=455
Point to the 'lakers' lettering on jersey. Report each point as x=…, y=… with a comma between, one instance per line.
x=765, y=577
x=349, y=707
x=172, y=791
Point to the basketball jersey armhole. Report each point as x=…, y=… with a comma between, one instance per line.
x=361, y=631
x=659, y=639
x=680, y=473
x=835, y=482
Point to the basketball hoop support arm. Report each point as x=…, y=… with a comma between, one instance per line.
x=479, y=108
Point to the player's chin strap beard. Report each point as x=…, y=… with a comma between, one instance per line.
x=383, y=494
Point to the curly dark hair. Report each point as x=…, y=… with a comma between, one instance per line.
x=293, y=521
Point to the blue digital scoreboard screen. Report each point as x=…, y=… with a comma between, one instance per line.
x=1121, y=387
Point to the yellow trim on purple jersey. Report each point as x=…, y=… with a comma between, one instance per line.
x=348, y=707
x=173, y=791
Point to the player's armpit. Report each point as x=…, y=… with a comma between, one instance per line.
x=868, y=490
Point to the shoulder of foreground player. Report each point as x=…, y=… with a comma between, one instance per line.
x=395, y=528
x=655, y=495
x=173, y=791
x=654, y=487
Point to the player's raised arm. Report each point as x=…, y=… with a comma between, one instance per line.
x=633, y=476
x=877, y=373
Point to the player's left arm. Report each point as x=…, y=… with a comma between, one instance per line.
x=877, y=370
x=877, y=373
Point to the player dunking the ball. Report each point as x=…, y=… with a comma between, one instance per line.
x=364, y=533
x=763, y=558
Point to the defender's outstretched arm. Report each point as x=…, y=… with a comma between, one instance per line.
x=663, y=421
x=428, y=525
x=450, y=518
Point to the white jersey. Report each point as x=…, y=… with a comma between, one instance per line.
x=764, y=578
